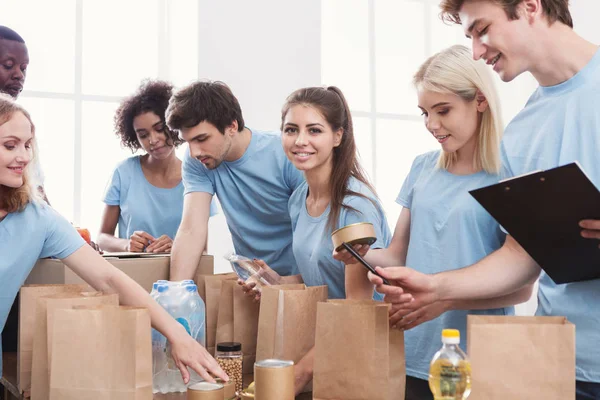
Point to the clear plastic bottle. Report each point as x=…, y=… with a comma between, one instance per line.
x=159, y=342
x=182, y=301
x=450, y=370
x=172, y=303
x=248, y=271
x=197, y=312
x=194, y=311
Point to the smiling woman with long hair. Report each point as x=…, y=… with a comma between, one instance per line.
x=30, y=229
x=318, y=138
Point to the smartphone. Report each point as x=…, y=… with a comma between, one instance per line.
x=363, y=262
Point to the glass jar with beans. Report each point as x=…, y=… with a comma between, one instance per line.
x=229, y=356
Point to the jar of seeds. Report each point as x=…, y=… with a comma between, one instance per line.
x=229, y=356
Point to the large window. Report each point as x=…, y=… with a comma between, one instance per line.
x=371, y=50
x=81, y=66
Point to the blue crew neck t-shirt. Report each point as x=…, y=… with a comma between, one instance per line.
x=253, y=191
x=36, y=232
x=313, y=247
x=561, y=124
x=144, y=207
x=448, y=230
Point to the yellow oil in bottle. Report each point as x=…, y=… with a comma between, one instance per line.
x=450, y=370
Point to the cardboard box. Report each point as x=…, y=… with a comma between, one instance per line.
x=143, y=270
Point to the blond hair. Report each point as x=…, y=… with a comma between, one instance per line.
x=15, y=199
x=454, y=71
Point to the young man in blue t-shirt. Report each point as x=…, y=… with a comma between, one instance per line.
x=246, y=169
x=559, y=124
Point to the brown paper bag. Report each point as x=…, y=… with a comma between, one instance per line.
x=287, y=321
x=521, y=358
x=111, y=358
x=205, y=267
x=212, y=293
x=27, y=313
x=42, y=352
x=357, y=355
x=237, y=321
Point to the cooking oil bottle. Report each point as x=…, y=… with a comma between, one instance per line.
x=450, y=370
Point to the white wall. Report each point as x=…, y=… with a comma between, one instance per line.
x=585, y=19
x=263, y=49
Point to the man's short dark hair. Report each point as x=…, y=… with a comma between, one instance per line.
x=8, y=34
x=210, y=101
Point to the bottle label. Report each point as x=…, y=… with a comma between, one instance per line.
x=185, y=324
x=449, y=372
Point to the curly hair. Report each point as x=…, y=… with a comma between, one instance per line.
x=152, y=96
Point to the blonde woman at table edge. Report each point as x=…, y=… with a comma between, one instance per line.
x=30, y=229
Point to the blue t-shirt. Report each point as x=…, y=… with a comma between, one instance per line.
x=561, y=124
x=313, y=247
x=448, y=230
x=36, y=232
x=144, y=207
x=253, y=192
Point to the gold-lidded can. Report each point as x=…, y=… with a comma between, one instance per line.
x=228, y=388
x=359, y=233
x=205, y=391
x=274, y=379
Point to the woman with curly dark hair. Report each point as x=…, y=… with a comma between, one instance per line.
x=144, y=196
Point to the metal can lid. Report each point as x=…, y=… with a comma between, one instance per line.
x=272, y=363
x=229, y=346
x=205, y=387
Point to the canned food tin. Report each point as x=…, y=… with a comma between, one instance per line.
x=205, y=391
x=359, y=233
x=228, y=389
x=274, y=379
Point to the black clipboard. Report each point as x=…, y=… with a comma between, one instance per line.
x=541, y=211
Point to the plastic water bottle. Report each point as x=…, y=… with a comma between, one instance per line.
x=159, y=342
x=192, y=316
x=197, y=310
x=450, y=370
x=182, y=301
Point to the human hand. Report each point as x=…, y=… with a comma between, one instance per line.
x=252, y=286
x=138, y=241
x=591, y=228
x=187, y=352
x=250, y=289
x=409, y=315
x=303, y=371
x=95, y=246
x=406, y=285
x=347, y=258
x=160, y=245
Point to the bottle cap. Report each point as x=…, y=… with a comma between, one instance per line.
x=451, y=336
x=162, y=288
x=191, y=288
x=229, y=346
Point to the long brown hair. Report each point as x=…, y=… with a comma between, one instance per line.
x=332, y=104
x=15, y=199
